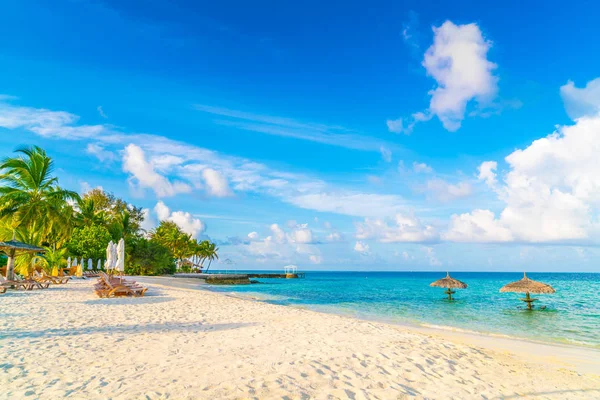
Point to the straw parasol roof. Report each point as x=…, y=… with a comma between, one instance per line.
x=449, y=283
x=12, y=248
x=20, y=247
x=527, y=285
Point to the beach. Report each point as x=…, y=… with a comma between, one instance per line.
x=183, y=343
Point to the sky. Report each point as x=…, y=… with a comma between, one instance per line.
x=373, y=135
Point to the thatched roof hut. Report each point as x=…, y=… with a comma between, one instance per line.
x=13, y=248
x=449, y=283
x=526, y=285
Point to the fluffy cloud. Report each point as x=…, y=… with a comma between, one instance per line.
x=477, y=226
x=487, y=172
x=581, y=102
x=362, y=248
x=253, y=236
x=402, y=229
x=216, y=183
x=144, y=175
x=551, y=191
x=184, y=220
x=457, y=61
x=443, y=191
x=395, y=125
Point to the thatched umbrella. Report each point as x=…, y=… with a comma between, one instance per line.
x=13, y=248
x=449, y=283
x=527, y=286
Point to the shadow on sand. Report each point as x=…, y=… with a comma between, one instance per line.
x=121, y=329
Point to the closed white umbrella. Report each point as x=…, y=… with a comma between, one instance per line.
x=120, y=265
x=108, y=263
x=74, y=262
x=69, y=262
x=99, y=267
x=90, y=265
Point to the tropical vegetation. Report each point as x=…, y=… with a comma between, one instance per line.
x=36, y=210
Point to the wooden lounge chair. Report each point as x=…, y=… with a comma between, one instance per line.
x=43, y=278
x=106, y=288
x=17, y=284
x=33, y=283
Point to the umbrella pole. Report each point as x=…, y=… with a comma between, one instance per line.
x=449, y=292
x=529, y=301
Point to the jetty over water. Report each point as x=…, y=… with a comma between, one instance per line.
x=238, y=279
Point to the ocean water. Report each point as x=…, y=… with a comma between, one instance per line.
x=572, y=314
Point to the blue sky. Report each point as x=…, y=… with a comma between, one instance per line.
x=375, y=136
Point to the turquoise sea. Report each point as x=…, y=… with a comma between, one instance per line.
x=572, y=314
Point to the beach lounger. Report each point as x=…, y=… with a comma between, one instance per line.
x=106, y=288
x=33, y=283
x=43, y=278
x=17, y=284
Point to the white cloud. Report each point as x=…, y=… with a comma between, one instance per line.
x=477, y=226
x=444, y=191
x=386, y=154
x=144, y=175
x=253, y=236
x=216, y=183
x=395, y=125
x=457, y=60
x=551, y=192
x=422, y=168
x=45, y=123
x=101, y=154
x=362, y=248
x=333, y=135
x=582, y=102
x=487, y=174
x=302, y=235
x=169, y=167
x=402, y=229
x=185, y=220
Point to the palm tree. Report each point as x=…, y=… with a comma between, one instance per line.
x=211, y=254
x=89, y=214
x=30, y=196
x=54, y=258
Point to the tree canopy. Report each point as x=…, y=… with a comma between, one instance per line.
x=39, y=211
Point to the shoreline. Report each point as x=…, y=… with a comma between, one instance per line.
x=417, y=325
x=186, y=343
x=573, y=354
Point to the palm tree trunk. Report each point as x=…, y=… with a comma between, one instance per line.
x=209, y=262
x=10, y=266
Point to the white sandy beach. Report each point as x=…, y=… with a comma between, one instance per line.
x=191, y=344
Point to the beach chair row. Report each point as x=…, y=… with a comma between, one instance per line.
x=37, y=280
x=110, y=286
